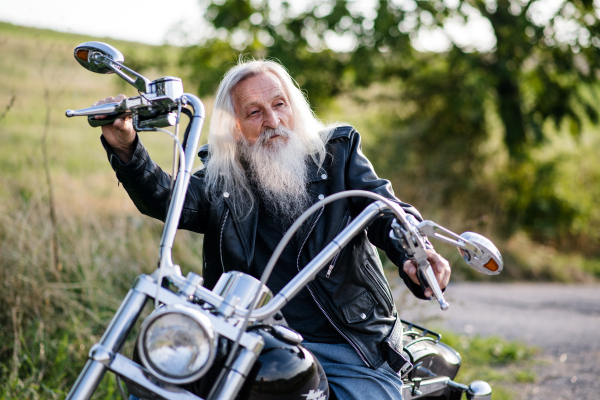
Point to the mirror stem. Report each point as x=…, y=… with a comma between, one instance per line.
x=141, y=83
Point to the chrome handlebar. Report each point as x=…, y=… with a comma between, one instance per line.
x=152, y=109
x=409, y=236
x=156, y=100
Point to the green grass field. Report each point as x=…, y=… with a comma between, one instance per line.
x=50, y=313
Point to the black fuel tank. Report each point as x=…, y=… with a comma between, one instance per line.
x=284, y=370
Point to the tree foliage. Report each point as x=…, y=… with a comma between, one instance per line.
x=537, y=67
x=534, y=71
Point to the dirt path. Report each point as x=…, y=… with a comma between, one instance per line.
x=563, y=320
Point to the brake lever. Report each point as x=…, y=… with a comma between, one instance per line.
x=409, y=237
x=427, y=280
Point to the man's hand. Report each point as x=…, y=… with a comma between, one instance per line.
x=440, y=267
x=120, y=135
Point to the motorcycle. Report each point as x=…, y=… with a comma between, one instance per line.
x=230, y=343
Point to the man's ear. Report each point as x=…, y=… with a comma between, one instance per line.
x=236, y=133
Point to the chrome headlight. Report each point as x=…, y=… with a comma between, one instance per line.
x=177, y=344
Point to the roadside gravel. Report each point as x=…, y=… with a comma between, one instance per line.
x=562, y=320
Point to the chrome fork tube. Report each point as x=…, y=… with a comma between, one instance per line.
x=231, y=385
x=87, y=381
x=179, y=192
x=112, y=340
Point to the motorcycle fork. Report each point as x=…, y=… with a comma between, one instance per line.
x=102, y=353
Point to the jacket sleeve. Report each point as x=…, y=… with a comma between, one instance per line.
x=361, y=175
x=149, y=187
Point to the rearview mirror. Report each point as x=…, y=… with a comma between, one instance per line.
x=489, y=261
x=98, y=57
x=103, y=58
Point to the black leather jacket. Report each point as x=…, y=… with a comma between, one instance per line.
x=352, y=293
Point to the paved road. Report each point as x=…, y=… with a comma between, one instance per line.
x=563, y=320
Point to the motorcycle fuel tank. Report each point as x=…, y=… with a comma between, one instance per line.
x=284, y=370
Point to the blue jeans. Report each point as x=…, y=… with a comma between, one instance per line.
x=350, y=378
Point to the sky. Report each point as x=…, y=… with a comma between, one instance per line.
x=150, y=21
x=154, y=22
x=146, y=21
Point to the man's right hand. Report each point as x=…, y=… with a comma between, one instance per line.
x=440, y=266
x=120, y=135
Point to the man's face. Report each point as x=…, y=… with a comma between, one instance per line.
x=261, y=103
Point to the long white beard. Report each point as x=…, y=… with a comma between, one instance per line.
x=278, y=169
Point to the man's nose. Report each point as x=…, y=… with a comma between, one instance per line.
x=271, y=119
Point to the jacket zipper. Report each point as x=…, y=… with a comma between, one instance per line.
x=332, y=265
x=360, y=354
x=380, y=284
x=221, y=239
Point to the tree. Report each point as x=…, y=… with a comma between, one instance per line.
x=538, y=65
x=534, y=71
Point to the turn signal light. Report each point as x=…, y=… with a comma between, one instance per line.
x=491, y=265
x=82, y=54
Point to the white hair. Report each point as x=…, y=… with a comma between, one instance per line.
x=224, y=171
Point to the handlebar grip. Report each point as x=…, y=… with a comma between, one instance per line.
x=110, y=118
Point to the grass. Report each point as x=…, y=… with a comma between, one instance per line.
x=49, y=314
x=502, y=363
x=51, y=317
x=499, y=362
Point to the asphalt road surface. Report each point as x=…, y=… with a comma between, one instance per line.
x=562, y=320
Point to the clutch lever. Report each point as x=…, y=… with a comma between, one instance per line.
x=102, y=109
x=113, y=110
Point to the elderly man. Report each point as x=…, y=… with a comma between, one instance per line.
x=267, y=160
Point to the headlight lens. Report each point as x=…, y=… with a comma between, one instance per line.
x=177, y=344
